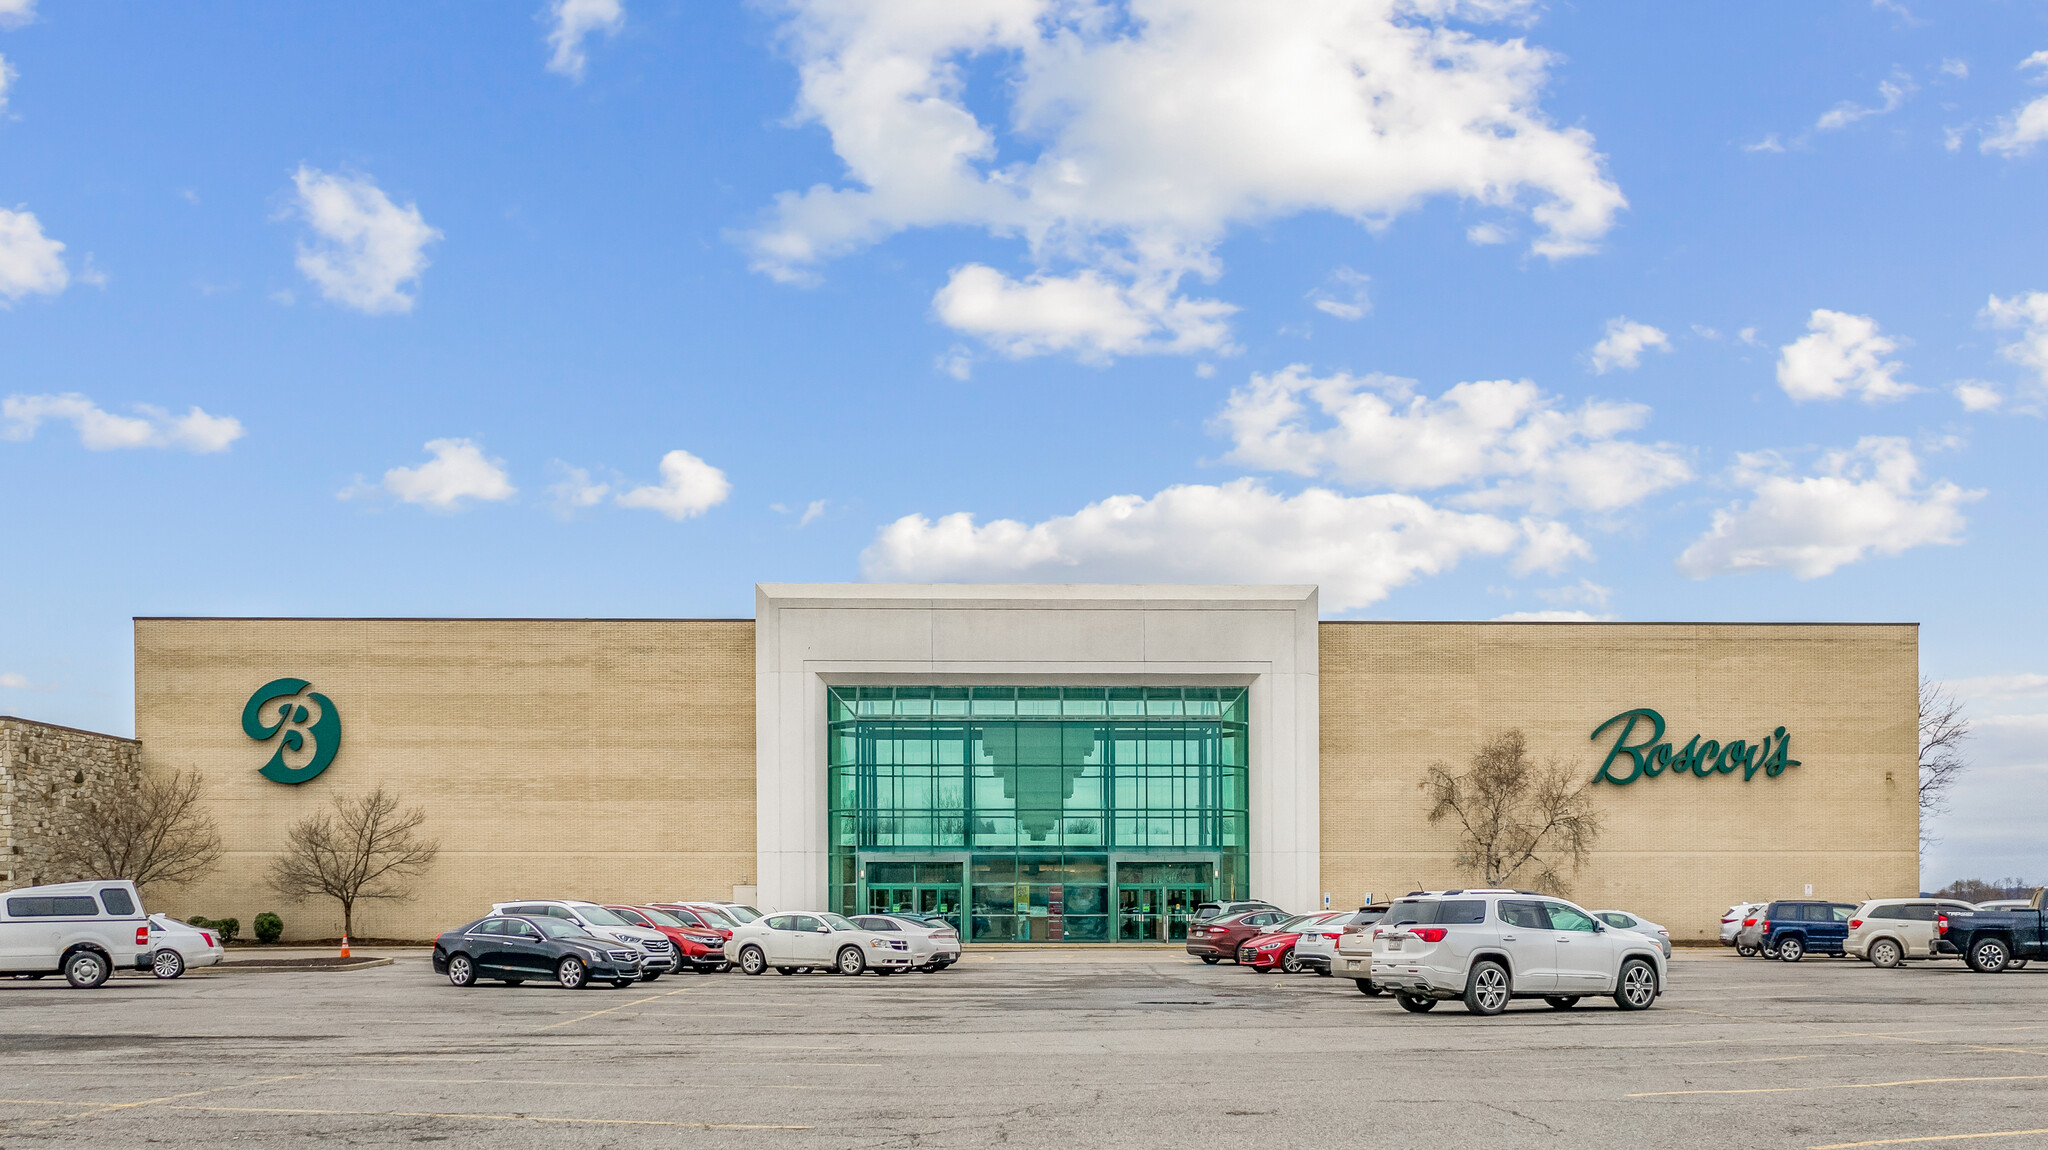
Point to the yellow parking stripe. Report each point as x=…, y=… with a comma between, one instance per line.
x=1842, y=1086
x=487, y=1117
x=619, y=1007
x=1930, y=1138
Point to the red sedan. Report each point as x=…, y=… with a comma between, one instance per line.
x=700, y=949
x=1275, y=949
x=1219, y=938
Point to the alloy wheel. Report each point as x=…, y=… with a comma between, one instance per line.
x=1791, y=950
x=460, y=971
x=1638, y=987
x=1989, y=956
x=1489, y=991
x=572, y=973
x=167, y=964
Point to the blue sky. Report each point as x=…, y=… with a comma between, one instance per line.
x=1459, y=310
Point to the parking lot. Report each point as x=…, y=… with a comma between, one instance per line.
x=1030, y=1048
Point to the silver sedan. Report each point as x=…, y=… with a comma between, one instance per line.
x=1623, y=920
x=934, y=945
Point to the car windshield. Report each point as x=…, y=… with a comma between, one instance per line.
x=1450, y=912
x=599, y=916
x=557, y=927
x=712, y=916
x=837, y=923
x=662, y=918
x=1296, y=923
x=741, y=914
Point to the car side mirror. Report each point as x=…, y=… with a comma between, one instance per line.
x=824, y=930
x=1599, y=927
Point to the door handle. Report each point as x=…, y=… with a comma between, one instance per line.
x=1564, y=938
x=1507, y=938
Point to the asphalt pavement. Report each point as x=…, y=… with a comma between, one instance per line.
x=1025, y=1048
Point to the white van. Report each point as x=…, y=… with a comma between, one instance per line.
x=82, y=930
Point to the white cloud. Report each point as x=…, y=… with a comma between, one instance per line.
x=689, y=486
x=958, y=362
x=366, y=249
x=575, y=490
x=1087, y=314
x=1843, y=353
x=573, y=21
x=1584, y=591
x=1976, y=395
x=1894, y=92
x=7, y=78
x=2028, y=314
x=813, y=511
x=1359, y=548
x=1624, y=344
x=1960, y=69
x=1507, y=440
x=1143, y=134
x=1343, y=295
x=14, y=680
x=1768, y=144
x=457, y=472
x=1865, y=500
x=2021, y=686
x=15, y=13
x=1551, y=617
x=1485, y=234
x=100, y=430
x=29, y=260
x=2019, y=132
x=1748, y=336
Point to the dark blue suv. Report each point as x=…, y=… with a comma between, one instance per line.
x=1795, y=928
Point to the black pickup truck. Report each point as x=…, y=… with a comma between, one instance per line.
x=1991, y=940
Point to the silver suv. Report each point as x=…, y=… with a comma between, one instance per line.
x=1490, y=946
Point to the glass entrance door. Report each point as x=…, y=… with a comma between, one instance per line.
x=1156, y=913
x=1155, y=900
x=915, y=888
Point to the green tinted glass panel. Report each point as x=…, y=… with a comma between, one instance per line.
x=1045, y=802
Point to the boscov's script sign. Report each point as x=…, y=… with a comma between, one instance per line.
x=297, y=723
x=1652, y=756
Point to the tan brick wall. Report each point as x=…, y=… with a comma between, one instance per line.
x=611, y=760
x=1398, y=696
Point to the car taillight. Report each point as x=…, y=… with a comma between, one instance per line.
x=1941, y=924
x=1854, y=923
x=1332, y=937
x=1376, y=932
x=142, y=936
x=1765, y=924
x=1749, y=922
x=208, y=936
x=1431, y=933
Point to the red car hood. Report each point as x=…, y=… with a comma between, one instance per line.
x=1283, y=936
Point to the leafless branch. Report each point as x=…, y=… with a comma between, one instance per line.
x=1516, y=818
x=365, y=848
x=1943, y=730
x=155, y=835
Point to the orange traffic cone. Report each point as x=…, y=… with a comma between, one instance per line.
x=344, y=946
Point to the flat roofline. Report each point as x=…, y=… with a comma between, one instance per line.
x=428, y=619
x=1602, y=623
x=73, y=730
x=743, y=619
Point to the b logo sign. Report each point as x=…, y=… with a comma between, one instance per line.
x=292, y=719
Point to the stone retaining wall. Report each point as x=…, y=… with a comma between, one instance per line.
x=46, y=772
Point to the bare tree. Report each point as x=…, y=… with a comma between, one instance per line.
x=1518, y=820
x=156, y=834
x=365, y=848
x=1943, y=729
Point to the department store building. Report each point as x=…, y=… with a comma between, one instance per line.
x=1039, y=763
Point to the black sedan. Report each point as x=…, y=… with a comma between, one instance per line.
x=518, y=949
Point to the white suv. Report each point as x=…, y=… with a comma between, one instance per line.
x=82, y=930
x=657, y=953
x=1490, y=946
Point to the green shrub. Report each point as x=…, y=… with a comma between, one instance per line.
x=226, y=928
x=268, y=927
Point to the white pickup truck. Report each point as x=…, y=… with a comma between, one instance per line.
x=82, y=930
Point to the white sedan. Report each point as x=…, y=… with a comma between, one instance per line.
x=1623, y=920
x=815, y=940
x=933, y=946
x=178, y=946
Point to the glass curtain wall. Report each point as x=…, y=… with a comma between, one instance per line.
x=1038, y=813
